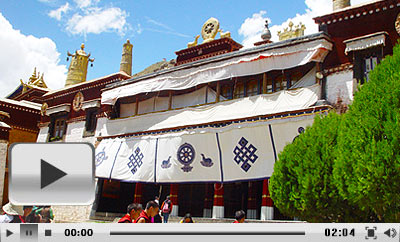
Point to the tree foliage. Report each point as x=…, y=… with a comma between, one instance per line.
x=347, y=168
x=302, y=183
x=367, y=171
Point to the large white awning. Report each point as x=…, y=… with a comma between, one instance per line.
x=241, y=152
x=282, y=101
x=365, y=42
x=255, y=63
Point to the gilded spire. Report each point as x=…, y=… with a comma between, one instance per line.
x=77, y=70
x=36, y=80
x=292, y=31
x=340, y=4
x=34, y=76
x=126, y=60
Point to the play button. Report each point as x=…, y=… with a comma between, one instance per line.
x=49, y=174
x=8, y=233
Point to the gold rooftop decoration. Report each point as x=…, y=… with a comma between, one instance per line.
x=126, y=60
x=36, y=80
x=292, y=31
x=209, y=31
x=77, y=70
x=340, y=4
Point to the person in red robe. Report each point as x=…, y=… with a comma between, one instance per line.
x=240, y=216
x=133, y=212
x=151, y=210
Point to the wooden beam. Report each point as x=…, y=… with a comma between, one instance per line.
x=264, y=83
x=217, y=99
x=137, y=106
x=170, y=100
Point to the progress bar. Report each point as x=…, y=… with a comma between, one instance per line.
x=208, y=233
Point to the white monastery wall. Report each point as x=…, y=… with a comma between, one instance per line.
x=43, y=133
x=340, y=84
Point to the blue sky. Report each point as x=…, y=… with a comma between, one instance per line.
x=40, y=32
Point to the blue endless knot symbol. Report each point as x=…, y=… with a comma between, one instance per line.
x=135, y=160
x=245, y=153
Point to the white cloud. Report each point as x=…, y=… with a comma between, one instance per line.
x=138, y=29
x=86, y=17
x=252, y=28
x=98, y=20
x=21, y=53
x=57, y=13
x=85, y=3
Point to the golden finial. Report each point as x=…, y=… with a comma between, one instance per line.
x=292, y=31
x=77, y=70
x=226, y=34
x=126, y=59
x=194, y=43
x=34, y=76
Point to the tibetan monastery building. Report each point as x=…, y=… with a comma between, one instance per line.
x=207, y=128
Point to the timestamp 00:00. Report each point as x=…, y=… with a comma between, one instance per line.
x=334, y=232
x=78, y=232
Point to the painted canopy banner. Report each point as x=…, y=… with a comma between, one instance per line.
x=240, y=152
x=282, y=101
x=249, y=64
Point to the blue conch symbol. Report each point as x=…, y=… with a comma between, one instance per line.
x=100, y=157
x=207, y=162
x=166, y=163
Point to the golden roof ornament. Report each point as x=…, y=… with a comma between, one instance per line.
x=77, y=70
x=292, y=31
x=209, y=31
x=36, y=80
x=126, y=59
x=194, y=43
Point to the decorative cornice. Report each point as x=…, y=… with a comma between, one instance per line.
x=356, y=12
x=8, y=105
x=24, y=129
x=77, y=119
x=343, y=67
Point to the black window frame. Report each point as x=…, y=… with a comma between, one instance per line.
x=90, y=121
x=54, y=121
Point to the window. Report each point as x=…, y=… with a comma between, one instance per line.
x=252, y=88
x=239, y=90
x=91, y=121
x=294, y=78
x=278, y=83
x=365, y=61
x=58, y=128
x=369, y=64
x=226, y=91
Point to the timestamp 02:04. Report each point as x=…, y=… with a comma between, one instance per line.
x=344, y=232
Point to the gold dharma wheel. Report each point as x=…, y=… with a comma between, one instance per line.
x=397, y=24
x=209, y=30
x=77, y=102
